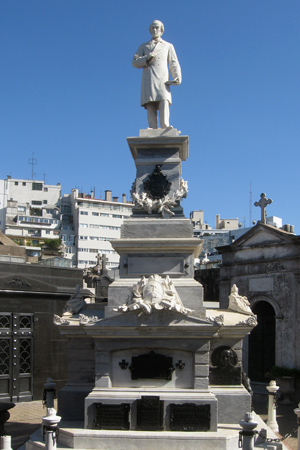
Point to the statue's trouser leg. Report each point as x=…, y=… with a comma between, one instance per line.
x=152, y=115
x=164, y=114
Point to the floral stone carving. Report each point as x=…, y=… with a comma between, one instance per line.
x=160, y=205
x=57, y=320
x=86, y=320
x=154, y=293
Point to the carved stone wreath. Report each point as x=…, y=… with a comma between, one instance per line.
x=217, y=320
x=161, y=205
x=251, y=321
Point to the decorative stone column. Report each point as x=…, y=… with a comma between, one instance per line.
x=50, y=428
x=248, y=433
x=5, y=443
x=297, y=411
x=272, y=390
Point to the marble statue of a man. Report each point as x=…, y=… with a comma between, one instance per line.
x=156, y=58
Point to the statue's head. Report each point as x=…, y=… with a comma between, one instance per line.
x=153, y=291
x=156, y=28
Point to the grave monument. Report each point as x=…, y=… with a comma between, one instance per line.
x=152, y=366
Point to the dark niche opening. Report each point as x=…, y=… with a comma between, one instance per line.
x=150, y=413
x=151, y=366
x=189, y=417
x=112, y=417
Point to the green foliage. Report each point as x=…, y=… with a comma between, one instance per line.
x=36, y=211
x=52, y=243
x=18, y=241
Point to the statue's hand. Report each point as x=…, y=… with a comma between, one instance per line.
x=150, y=57
x=177, y=80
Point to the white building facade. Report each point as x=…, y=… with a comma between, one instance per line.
x=96, y=222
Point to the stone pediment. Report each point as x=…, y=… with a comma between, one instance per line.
x=263, y=234
x=262, y=237
x=21, y=283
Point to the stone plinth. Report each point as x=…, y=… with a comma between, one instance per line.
x=162, y=151
x=188, y=289
x=169, y=398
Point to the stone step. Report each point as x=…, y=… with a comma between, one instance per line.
x=72, y=435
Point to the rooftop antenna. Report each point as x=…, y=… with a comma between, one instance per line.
x=33, y=162
x=250, y=205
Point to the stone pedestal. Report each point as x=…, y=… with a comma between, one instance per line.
x=158, y=151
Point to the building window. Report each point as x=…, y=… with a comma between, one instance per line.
x=117, y=216
x=36, y=202
x=37, y=186
x=95, y=213
x=66, y=209
x=104, y=215
x=45, y=189
x=16, y=183
x=21, y=208
x=45, y=202
x=83, y=225
x=84, y=213
x=24, y=183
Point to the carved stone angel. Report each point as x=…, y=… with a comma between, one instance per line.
x=239, y=303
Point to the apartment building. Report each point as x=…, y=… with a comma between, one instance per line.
x=225, y=232
x=30, y=212
x=96, y=222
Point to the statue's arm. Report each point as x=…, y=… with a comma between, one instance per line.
x=140, y=60
x=174, y=65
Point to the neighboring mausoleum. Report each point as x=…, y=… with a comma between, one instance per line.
x=264, y=263
x=31, y=348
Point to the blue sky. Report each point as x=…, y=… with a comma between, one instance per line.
x=70, y=95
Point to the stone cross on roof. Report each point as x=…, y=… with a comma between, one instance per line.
x=104, y=261
x=263, y=202
x=98, y=256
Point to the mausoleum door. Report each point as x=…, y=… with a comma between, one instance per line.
x=262, y=342
x=16, y=356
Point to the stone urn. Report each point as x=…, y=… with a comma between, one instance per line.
x=287, y=387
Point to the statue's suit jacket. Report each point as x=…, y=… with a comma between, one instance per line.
x=156, y=73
